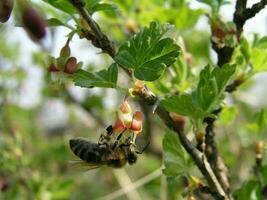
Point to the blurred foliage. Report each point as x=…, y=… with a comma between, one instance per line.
x=34, y=158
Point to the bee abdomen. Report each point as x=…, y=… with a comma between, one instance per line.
x=86, y=150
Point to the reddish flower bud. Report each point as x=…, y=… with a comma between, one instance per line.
x=52, y=68
x=125, y=113
x=4, y=183
x=71, y=65
x=125, y=106
x=137, y=122
x=6, y=7
x=34, y=23
x=179, y=120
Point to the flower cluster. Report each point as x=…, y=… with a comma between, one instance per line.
x=64, y=64
x=126, y=119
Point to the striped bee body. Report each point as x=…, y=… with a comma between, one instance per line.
x=96, y=155
x=111, y=150
x=88, y=151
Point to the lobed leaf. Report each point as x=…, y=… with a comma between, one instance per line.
x=148, y=53
x=183, y=105
x=211, y=85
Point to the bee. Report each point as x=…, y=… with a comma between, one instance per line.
x=114, y=154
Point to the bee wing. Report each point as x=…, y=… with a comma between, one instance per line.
x=82, y=165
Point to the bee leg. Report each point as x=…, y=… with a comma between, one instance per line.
x=103, y=140
x=109, y=130
x=145, y=147
x=117, y=140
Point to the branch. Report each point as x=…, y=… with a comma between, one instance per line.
x=242, y=14
x=211, y=151
x=98, y=38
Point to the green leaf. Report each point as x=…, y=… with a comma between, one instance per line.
x=54, y=22
x=214, y=4
x=63, y=5
x=95, y=6
x=176, y=160
x=183, y=105
x=261, y=119
x=211, y=85
x=227, y=115
x=104, y=78
x=262, y=43
x=185, y=17
x=249, y=190
x=104, y=7
x=259, y=59
x=206, y=97
x=245, y=49
x=263, y=171
x=148, y=53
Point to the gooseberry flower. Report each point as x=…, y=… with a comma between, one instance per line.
x=125, y=113
x=118, y=127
